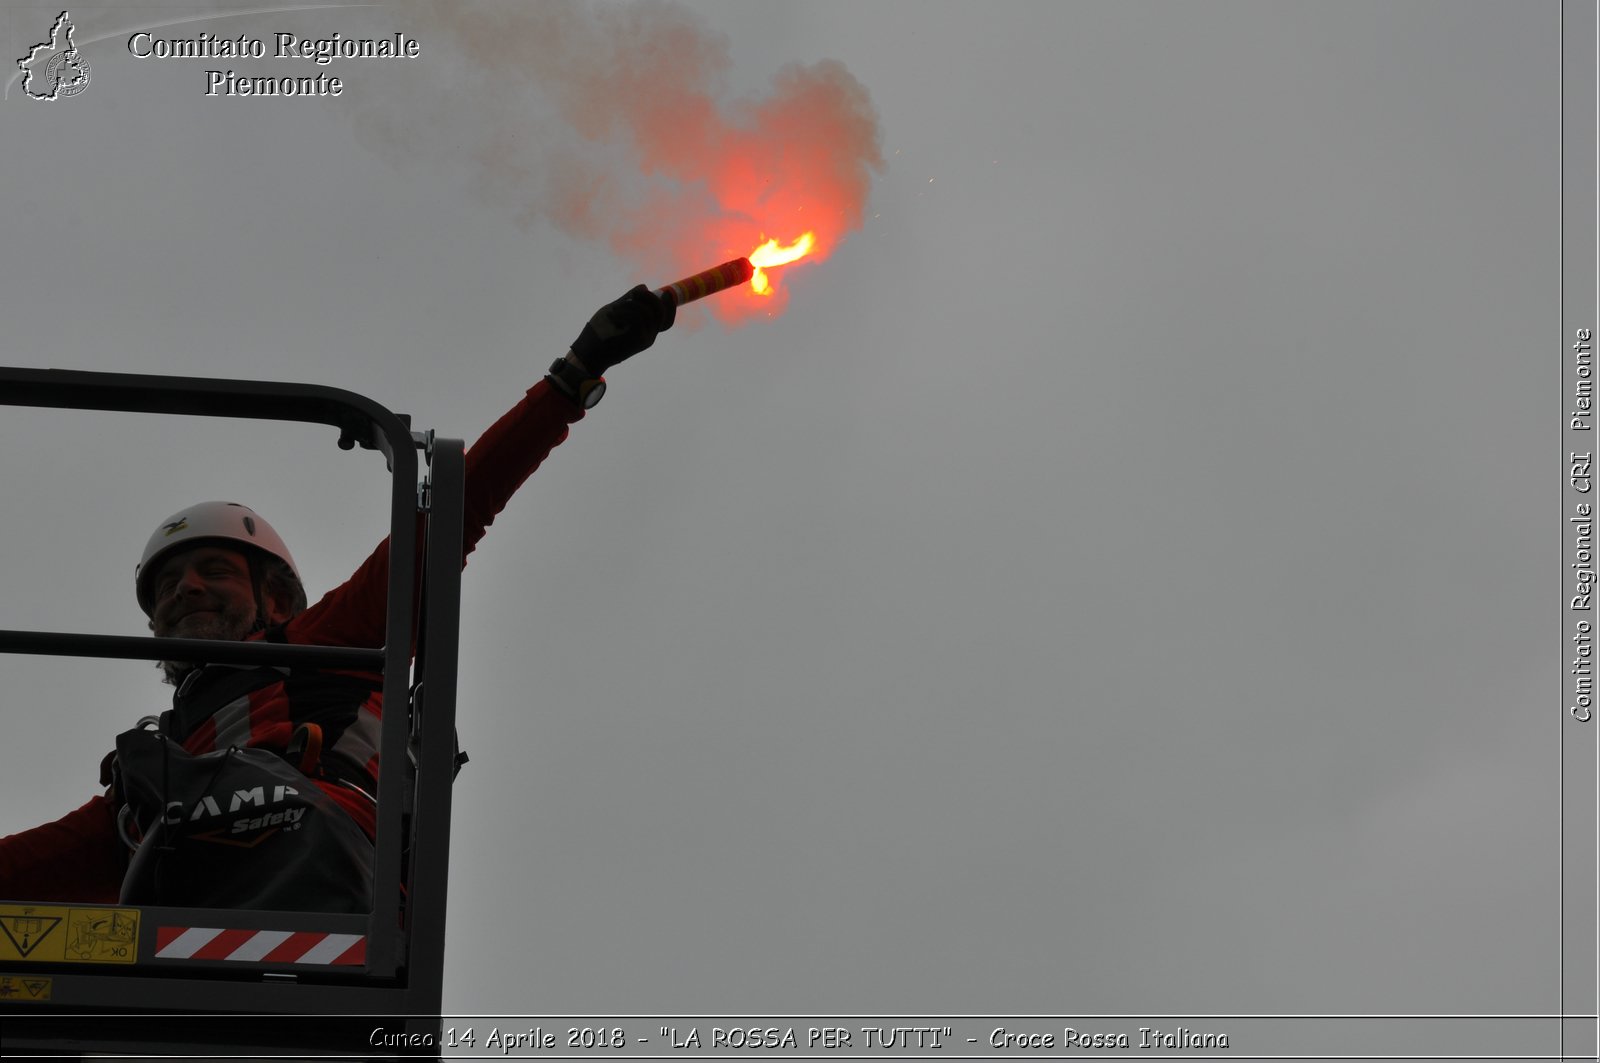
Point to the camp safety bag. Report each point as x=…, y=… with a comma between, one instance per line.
x=233, y=828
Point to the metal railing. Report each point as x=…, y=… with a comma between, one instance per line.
x=402, y=970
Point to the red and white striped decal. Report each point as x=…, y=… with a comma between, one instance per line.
x=260, y=946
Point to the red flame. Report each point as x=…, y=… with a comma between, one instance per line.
x=788, y=175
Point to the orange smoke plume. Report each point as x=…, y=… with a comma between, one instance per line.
x=667, y=167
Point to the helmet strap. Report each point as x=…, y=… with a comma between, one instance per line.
x=258, y=576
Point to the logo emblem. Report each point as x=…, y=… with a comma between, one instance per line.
x=175, y=527
x=250, y=526
x=55, y=69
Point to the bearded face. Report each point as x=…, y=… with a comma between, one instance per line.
x=226, y=620
x=204, y=593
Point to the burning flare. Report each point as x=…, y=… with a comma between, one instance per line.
x=771, y=254
x=737, y=271
x=707, y=282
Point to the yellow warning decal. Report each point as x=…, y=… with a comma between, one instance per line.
x=42, y=934
x=24, y=988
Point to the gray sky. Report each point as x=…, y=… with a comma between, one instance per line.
x=1115, y=583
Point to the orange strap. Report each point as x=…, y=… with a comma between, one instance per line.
x=305, y=749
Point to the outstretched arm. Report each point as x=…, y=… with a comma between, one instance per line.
x=500, y=461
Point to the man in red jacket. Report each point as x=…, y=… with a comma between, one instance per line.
x=219, y=571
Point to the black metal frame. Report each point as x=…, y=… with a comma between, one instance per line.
x=402, y=973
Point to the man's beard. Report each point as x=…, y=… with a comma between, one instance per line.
x=228, y=625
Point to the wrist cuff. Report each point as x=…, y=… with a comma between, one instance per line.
x=568, y=376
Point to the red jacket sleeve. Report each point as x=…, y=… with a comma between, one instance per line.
x=76, y=858
x=501, y=461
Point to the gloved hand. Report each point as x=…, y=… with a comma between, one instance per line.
x=622, y=329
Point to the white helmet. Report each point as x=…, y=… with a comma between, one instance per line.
x=219, y=522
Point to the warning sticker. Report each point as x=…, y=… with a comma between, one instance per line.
x=24, y=988
x=28, y=929
x=34, y=933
